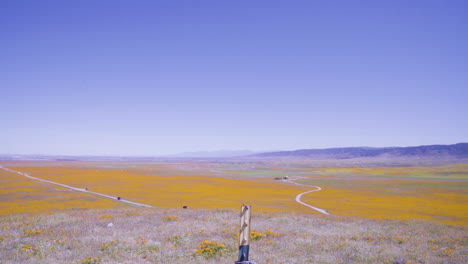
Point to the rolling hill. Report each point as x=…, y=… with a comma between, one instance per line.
x=459, y=150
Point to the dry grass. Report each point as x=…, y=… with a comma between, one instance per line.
x=210, y=236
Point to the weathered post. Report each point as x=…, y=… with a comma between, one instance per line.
x=244, y=235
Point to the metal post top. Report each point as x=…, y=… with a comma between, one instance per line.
x=245, y=262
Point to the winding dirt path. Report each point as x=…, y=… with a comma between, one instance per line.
x=298, y=197
x=77, y=189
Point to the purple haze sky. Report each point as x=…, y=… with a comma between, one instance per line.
x=161, y=77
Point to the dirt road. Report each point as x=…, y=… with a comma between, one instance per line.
x=77, y=189
x=298, y=197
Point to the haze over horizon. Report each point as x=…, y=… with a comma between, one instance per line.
x=152, y=78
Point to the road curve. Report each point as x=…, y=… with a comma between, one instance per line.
x=298, y=197
x=77, y=189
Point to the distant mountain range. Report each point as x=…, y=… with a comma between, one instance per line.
x=431, y=152
x=459, y=150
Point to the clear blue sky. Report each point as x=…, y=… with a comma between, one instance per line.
x=161, y=77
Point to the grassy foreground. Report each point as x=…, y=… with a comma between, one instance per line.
x=210, y=236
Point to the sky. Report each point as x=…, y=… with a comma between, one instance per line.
x=148, y=78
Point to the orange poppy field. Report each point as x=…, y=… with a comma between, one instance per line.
x=433, y=193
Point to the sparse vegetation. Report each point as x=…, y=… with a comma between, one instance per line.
x=254, y=235
x=210, y=236
x=210, y=249
x=90, y=260
x=104, y=217
x=169, y=218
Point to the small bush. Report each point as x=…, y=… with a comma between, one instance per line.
x=141, y=240
x=148, y=248
x=32, y=232
x=170, y=218
x=60, y=241
x=269, y=233
x=29, y=249
x=105, y=246
x=132, y=214
x=254, y=236
x=106, y=217
x=210, y=249
x=176, y=240
x=90, y=260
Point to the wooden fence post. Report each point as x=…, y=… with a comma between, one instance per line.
x=244, y=235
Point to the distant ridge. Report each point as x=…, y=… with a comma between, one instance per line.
x=445, y=154
x=459, y=150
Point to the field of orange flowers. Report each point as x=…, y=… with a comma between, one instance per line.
x=434, y=193
x=19, y=195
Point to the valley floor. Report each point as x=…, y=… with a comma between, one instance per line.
x=378, y=215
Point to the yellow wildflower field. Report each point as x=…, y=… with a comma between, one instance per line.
x=172, y=191
x=449, y=208
x=434, y=193
x=19, y=194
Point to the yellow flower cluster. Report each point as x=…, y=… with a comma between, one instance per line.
x=60, y=241
x=24, y=224
x=29, y=248
x=210, y=249
x=106, y=245
x=400, y=240
x=254, y=236
x=32, y=232
x=132, y=214
x=141, y=240
x=269, y=233
x=448, y=250
x=90, y=260
x=106, y=217
x=175, y=239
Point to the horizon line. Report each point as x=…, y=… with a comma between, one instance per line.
x=208, y=151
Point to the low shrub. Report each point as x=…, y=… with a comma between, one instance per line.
x=210, y=249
